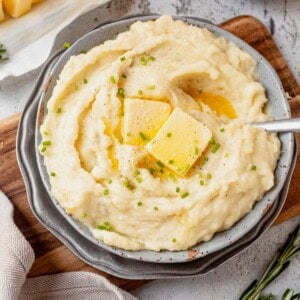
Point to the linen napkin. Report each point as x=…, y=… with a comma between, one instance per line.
x=17, y=257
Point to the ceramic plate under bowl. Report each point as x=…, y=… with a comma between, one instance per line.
x=224, y=244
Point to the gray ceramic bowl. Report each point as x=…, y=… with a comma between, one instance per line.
x=209, y=254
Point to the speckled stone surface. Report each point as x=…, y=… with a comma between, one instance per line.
x=282, y=18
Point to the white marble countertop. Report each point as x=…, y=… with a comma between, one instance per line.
x=282, y=18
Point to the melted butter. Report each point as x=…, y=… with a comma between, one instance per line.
x=219, y=104
x=111, y=151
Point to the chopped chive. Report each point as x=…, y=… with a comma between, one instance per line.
x=137, y=172
x=122, y=58
x=160, y=164
x=109, y=181
x=184, y=195
x=212, y=141
x=155, y=208
x=85, y=81
x=67, y=45
x=112, y=79
x=76, y=87
x=152, y=58
x=84, y=215
x=44, y=149
x=171, y=161
x=139, y=203
x=128, y=134
x=222, y=129
x=127, y=184
x=53, y=174
x=206, y=158
x=152, y=171
x=47, y=143
x=124, y=76
x=142, y=136
x=139, y=179
x=83, y=52
x=121, y=92
x=140, y=92
x=196, y=151
x=151, y=87
x=215, y=148
x=253, y=168
x=177, y=189
x=169, y=134
x=106, y=192
x=208, y=176
x=200, y=174
x=106, y=226
x=143, y=61
x=46, y=133
x=174, y=240
x=59, y=110
x=201, y=182
x=226, y=154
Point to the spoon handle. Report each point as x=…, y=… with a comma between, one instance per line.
x=284, y=125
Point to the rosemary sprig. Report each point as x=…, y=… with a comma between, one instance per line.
x=3, y=54
x=279, y=263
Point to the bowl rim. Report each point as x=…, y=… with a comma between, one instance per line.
x=182, y=259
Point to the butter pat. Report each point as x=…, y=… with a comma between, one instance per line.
x=179, y=142
x=16, y=8
x=142, y=120
x=2, y=17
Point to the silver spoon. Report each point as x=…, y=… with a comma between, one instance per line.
x=283, y=125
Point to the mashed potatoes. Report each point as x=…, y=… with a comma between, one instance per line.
x=108, y=180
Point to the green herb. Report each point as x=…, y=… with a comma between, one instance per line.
x=215, y=148
x=43, y=149
x=59, y=110
x=106, y=192
x=140, y=92
x=169, y=134
x=76, y=88
x=196, y=151
x=112, y=79
x=127, y=184
x=222, y=129
x=201, y=182
x=177, y=189
x=121, y=93
x=171, y=161
x=67, y=45
x=47, y=143
x=253, y=168
x=3, y=54
x=151, y=87
x=279, y=263
x=212, y=141
x=139, y=179
x=84, y=215
x=160, y=164
x=122, y=58
x=174, y=240
x=105, y=226
x=53, y=174
x=83, y=52
x=184, y=195
x=85, y=81
x=128, y=134
x=172, y=177
x=139, y=203
x=208, y=176
x=124, y=76
x=200, y=174
x=143, y=136
x=46, y=133
x=109, y=181
x=137, y=172
x=226, y=154
x=152, y=171
x=155, y=208
x=144, y=60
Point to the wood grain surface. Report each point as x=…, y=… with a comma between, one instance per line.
x=51, y=255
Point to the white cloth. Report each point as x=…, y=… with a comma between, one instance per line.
x=17, y=257
x=28, y=43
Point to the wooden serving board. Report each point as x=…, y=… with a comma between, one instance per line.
x=51, y=255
